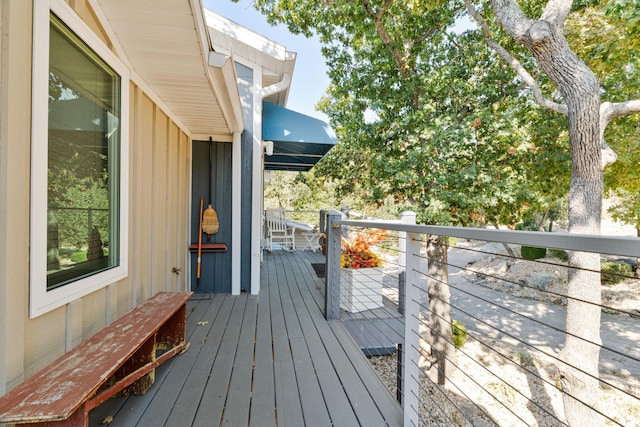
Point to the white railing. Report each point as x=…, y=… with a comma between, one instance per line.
x=509, y=372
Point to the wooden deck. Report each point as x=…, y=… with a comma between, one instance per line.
x=263, y=360
x=377, y=332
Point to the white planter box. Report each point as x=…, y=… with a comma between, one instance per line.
x=360, y=289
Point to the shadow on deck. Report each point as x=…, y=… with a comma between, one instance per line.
x=263, y=360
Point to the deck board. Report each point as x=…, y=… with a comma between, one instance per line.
x=264, y=360
x=214, y=394
x=311, y=397
x=338, y=404
x=376, y=337
x=157, y=412
x=262, y=411
x=288, y=404
x=236, y=411
x=210, y=324
x=379, y=393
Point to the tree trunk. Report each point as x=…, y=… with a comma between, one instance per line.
x=442, y=348
x=581, y=352
x=512, y=255
x=580, y=89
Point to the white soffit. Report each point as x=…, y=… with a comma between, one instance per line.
x=233, y=39
x=166, y=44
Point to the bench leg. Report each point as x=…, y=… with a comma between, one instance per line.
x=172, y=333
x=145, y=355
x=130, y=379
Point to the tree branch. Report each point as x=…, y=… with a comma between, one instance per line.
x=384, y=35
x=610, y=111
x=512, y=18
x=557, y=11
x=514, y=63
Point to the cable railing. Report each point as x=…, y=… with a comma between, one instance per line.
x=467, y=326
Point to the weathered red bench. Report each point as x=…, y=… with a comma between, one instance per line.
x=121, y=358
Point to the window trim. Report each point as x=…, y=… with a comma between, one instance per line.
x=42, y=301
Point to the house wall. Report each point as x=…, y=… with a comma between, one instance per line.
x=15, y=88
x=159, y=170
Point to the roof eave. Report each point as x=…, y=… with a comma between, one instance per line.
x=209, y=103
x=220, y=72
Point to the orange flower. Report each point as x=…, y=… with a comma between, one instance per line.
x=357, y=252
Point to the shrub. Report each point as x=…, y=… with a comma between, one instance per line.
x=560, y=254
x=523, y=359
x=612, y=272
x=527, y=225
x=80, y=256
x=459, y=333
x=531, y=253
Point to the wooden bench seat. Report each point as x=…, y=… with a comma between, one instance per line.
x=121, y=358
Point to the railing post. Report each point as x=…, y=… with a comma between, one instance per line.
x=406, y=217
x=410, y=348
x=345, y=211
x=332, y=279
x=323, y=217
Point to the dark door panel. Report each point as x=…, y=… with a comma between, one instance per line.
x=211, y=175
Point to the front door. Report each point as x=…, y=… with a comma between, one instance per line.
x=211, y=181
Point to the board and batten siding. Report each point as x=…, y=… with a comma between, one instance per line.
x=159, y=165
x=212, y=182
x=159, y=183
x=15, y=135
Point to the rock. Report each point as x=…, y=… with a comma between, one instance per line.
x=478, y=418
x=500, y=268
x=540, y=281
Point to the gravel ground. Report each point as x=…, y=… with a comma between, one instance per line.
x=524, y=392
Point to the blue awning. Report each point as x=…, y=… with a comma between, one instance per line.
x=299, y=141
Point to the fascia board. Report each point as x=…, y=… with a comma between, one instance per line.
x=244, y=35
x=223, y=77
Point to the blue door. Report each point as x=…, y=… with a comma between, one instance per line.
x=211, y=176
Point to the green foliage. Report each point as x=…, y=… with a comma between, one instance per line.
x=626, y=13
x=428, y=118
x=523, y=359
x=459, y=333
x=627, y=210
x=532, y=253
x=435, y=122
x=614, y=272
x=560, y=254
x=527, y=225
x=80, y=256
x=78, y=191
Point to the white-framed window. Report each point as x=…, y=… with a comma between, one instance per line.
x=79, y=152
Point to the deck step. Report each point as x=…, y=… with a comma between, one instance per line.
x=376, y=337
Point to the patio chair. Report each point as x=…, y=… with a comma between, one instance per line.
x=278, y=233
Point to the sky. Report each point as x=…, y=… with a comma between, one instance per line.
x=309, y=80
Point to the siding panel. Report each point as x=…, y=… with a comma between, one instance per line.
x=160, y=205
x=159, y=182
